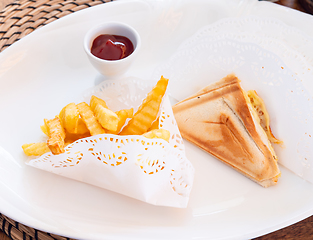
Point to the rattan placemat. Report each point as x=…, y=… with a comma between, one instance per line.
x=17, y=231
x=24, y=16
x=16, y=21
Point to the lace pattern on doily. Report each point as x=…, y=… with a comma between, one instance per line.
x=271, y=34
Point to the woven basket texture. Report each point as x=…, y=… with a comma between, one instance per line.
x=17, y=20
x=17, y=231
x=24, y=16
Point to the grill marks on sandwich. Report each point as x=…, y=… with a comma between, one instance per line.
x=251, y=127
x=230, y=134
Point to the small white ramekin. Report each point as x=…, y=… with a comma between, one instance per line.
x=112, y=68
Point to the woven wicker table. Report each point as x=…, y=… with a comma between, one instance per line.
x=19, y=18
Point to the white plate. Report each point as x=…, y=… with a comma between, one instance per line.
x=48, y=68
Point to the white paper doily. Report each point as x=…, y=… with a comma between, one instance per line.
x=289, y=104
x=251, y=28
x=151, y=170
x=290, y=44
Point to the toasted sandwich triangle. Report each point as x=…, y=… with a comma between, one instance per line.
x=220, y=120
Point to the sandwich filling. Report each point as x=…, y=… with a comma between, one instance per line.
x=260, y=110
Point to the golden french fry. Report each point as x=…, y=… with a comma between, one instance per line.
x=35, y=149
x=125, y=113
x=122, y=117
x=106, y=117
x=56, y=135
x=82, y=128
x=94, y=101
x=155, y=125
x=54, y=127
x=69, y=117
x=158, y=90
x=72, y=137
x=61, y=116
x=44, y=129
x=142, y=120
x=89, y=119
x=148, y=110
x=158, y=133
x=56, y=144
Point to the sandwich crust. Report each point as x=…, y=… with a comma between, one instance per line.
x=220, y=120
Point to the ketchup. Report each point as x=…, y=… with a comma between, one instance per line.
x=111, y=47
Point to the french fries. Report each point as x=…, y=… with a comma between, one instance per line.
x=158, y=133
x=82, y=128
x=69, y=117
x=89, y=119
x=76, y=121
x=71, y=137
x=35, y=149
x=106, y=117
x=56, y=135
x=44, y=129
x=94, y=101
x=155, y=125
x=123, y=115
x=148, y=110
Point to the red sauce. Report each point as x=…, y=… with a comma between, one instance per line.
x=111, y=47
